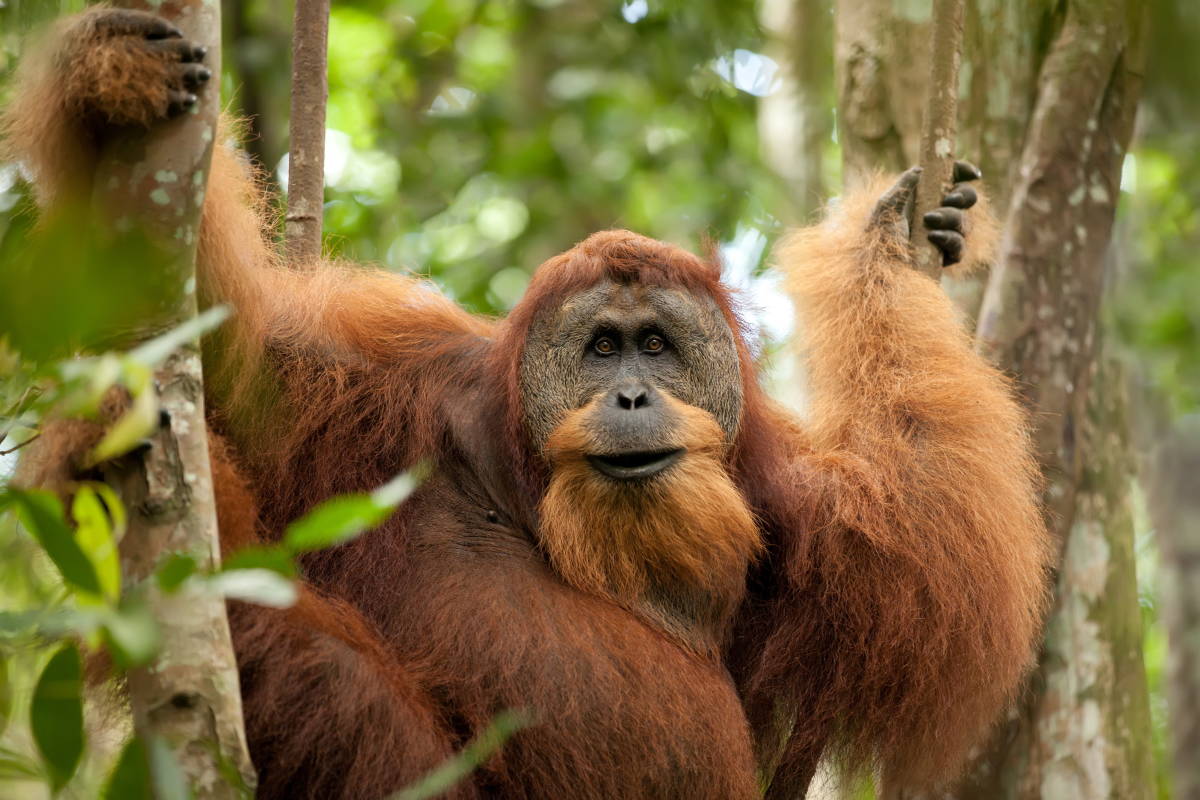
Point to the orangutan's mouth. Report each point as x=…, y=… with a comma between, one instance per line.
x=631, y=466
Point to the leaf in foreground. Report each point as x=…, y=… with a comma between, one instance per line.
x=341, y=519
x=42, y=515
x=455, y=769
x=56, y=716
x=131, y=778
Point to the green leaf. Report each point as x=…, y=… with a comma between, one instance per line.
x=175, y=570
x=334, y=522
x=95, y=535
x=341, y=519
x=56, y=716
x=276, y=559
x=263, y=586
x=19, y=766
x=130, y=780
x=443, y=777
x=42, y=515
x=155, y=351
x=132, y=428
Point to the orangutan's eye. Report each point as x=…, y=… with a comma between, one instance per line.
x=654, y=344
x=605, y=346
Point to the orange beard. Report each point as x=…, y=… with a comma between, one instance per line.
x=674, y=548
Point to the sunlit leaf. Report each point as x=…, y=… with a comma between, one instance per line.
x=134, y=426
x=19, y=766
x=42, y=515
x=56, y=715
x=277, y=559
x=336, y=521
x=94, y=533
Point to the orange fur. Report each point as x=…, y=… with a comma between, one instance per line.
x=891, y=615
x=82, y=75
x=690, y=531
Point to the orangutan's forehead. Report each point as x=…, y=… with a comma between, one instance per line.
x=616, y=304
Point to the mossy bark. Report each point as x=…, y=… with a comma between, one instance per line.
x=188, y=697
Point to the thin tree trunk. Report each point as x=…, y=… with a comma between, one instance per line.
x=188, y=697
x=306, y=160
x=939, y=126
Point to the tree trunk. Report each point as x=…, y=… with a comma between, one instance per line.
x=188, y=697
x=1084, y=730
x=1048, y=94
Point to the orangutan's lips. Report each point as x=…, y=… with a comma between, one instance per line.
x=630, y=466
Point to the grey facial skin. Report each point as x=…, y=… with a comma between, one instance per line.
x=563, y=369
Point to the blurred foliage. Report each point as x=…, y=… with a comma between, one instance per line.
x=1158, y=313
x=496, y=133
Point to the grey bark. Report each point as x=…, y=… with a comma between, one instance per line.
x=306, y=159
x=1084, y=728
x=188, y=696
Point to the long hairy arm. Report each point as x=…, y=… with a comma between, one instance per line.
x=910, y=586
x=318, y=357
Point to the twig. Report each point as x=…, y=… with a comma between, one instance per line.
x=940, y=125
x=306, y=156
x=18, y=447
